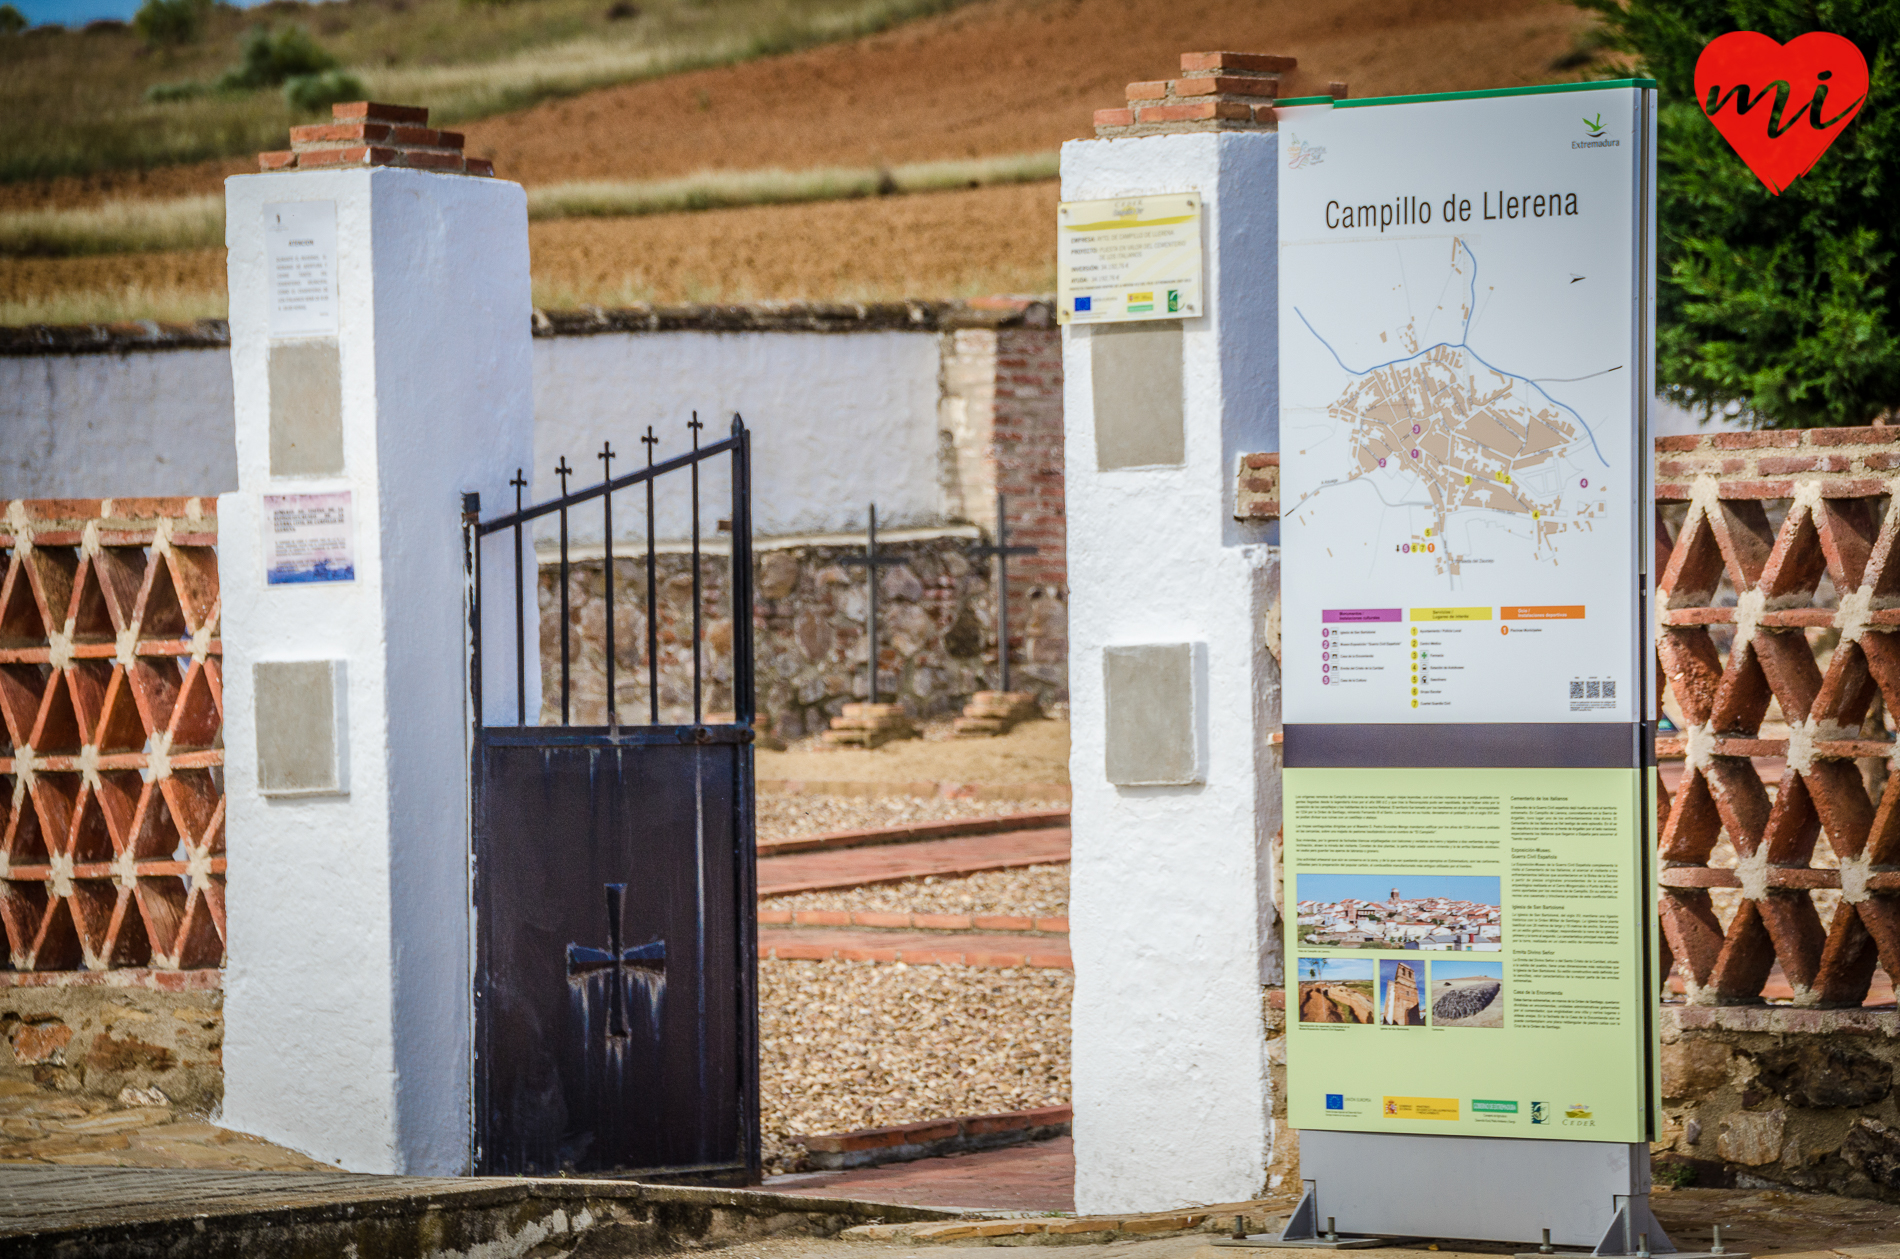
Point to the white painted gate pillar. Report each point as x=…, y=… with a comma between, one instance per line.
x=1176, y=787
x=380, y=324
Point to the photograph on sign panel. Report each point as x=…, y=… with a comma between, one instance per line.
x=1467, y=994
x=1335, y=990
x=1433, y=913
x=1398, y=993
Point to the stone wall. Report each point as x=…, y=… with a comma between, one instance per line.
x=937, y=637
x=99, y=1040
x=1766, y=1096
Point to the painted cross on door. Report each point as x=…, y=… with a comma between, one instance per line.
x=618, y=970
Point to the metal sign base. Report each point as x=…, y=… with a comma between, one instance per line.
x=1502, y=1189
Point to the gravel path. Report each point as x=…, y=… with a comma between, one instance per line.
x=1030, y=892
x=846, y=1045
x=784, y=816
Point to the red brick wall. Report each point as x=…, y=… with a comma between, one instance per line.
x=1028, y=453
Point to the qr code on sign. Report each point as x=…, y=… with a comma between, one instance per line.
x=1593, y=690
x=1576, y=690
x=1609, y=690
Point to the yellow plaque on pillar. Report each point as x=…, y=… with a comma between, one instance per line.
x=1129, y=258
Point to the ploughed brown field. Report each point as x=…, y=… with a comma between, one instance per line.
x=992, y=78
x=956, y=244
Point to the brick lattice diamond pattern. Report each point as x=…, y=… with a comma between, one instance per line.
x=111, y=755
x=1778, y=634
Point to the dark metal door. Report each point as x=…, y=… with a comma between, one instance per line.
x=616, y=1022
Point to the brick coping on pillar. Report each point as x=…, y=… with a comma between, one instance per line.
x=368, y=133
x=1217, y=91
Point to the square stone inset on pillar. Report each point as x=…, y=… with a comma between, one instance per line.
x=306, y=409
x=301, y=741
x=1139, y=416
x=1153, y=729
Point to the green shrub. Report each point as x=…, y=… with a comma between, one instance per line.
x=160, y=22
x=12, y=21
x=270, y=57
x=313, y=92
x=1780, y=309
x=163, y=93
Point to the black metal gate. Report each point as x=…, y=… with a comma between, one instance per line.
x=616, y=1026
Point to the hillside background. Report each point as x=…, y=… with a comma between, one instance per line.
x=887, y=148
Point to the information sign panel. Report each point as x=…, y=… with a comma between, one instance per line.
x=1129, y=258
x=300, y=252
x=1465, y=362
x=308, y=538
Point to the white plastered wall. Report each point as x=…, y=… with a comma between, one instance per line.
x=838, y=421
x=347, y=1003
x=150, y=423
x=1171, y=906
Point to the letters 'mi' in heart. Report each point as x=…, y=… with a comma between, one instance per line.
x=1817, y=82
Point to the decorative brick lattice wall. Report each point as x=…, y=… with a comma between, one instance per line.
x=111, y=756
x=1778, y=633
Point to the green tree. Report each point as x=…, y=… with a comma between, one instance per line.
x=161, y=22
x=1782, y=309
x=12, y=21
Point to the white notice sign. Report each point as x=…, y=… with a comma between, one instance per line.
x=1463, y=365
x=300, y=251
x=1129, y=258
x=308, y=538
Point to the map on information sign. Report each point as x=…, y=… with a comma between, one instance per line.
x=1459, y=388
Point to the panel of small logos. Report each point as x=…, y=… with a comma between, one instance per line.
x=1449, y=1109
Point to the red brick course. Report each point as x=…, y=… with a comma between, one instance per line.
x=1026, y=821
x=1772, y=464
x=915, y=949
x=1035, y=1177
x=895, y=863
x=1237, y=84
x=368, y=133
x=1257, y=493
x=377, y=111
x=1255, y=62
x=912, y=922
x=937, y=1132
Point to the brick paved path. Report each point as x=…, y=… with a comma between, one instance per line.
x=915, y=948
x=1035, y=1177
x=892, y=863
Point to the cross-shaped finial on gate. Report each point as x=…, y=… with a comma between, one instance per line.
x=520, y=483
x=695, y=424
x=615, y=961
x=650, y=441
x=564, y=472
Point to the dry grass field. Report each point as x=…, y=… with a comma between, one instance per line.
x=76, y=102
x=987, y=79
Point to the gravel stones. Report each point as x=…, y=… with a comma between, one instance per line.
x=847, y=1045
x=793, y=816
x=1028, y=892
